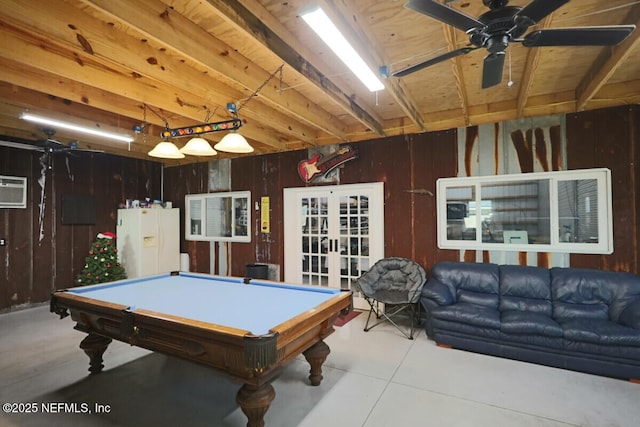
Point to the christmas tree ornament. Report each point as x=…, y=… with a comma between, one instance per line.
x=96, y=268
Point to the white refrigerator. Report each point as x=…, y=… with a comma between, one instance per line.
x=148, y=240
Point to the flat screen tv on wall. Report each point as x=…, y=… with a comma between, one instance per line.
x=78, y=209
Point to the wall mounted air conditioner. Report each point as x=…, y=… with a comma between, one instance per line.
x=13, y=192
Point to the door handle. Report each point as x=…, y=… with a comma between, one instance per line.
x=333, y=245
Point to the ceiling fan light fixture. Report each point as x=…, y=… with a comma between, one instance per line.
x=73, y=127
x=319, y=22
x=166, y=150
x=198, y=147
x=233, y=142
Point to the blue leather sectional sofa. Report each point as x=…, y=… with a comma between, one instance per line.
x=579, y=319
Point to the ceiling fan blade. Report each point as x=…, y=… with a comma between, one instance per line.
x=15, y=142
x=538, y=9
x=445, y=14
x=86, y=150
x=432, y=61
x=492, y=69
x=579, y=36
x=50, y=144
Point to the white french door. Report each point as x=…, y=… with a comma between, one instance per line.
x=333, y=233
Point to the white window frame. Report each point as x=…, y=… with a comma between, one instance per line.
x=9, y=186
x=199, y=232
x=604, y=244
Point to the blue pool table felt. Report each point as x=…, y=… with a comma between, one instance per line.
x=256, y=307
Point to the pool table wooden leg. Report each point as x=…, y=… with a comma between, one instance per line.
x=94, y=346
x=316, y=355
x=254, y=402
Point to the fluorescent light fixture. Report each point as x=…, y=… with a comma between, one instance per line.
x=70, y=126
x=329, y=33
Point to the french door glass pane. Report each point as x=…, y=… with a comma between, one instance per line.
x=354, y=246
x=315, y=227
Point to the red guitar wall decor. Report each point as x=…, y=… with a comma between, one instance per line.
x=319, y=165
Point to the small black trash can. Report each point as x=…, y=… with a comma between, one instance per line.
x=257, y=271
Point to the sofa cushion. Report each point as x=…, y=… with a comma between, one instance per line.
x=526, y=322
x=566, y=311
x=437, y=291
x=470, y=282
x=630, y=316
x=603, y=332
x=605, y=290
x=478, y=298
x=470, y=314
x=525, y=288
x=580, y=294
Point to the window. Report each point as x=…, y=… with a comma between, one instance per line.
x=565, y=211
x=218, y=216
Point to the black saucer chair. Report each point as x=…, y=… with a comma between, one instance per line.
x=392, y=286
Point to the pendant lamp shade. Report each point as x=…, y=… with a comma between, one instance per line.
x=166, y=150
x=233, y=142
x=198, y=147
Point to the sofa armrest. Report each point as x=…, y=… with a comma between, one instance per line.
x=437, y=292
x=630, y=316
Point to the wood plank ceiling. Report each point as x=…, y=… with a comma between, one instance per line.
x=116, y=64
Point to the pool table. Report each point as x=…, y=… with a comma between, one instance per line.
x=247, y=328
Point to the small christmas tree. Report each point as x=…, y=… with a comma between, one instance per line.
x=101, y=265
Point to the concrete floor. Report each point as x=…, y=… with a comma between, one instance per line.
x=372, y=379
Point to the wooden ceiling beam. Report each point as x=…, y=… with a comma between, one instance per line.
x=364, y=43
x=48, y=84
x=452, y=44
x=286, y=47
x=627, y=92
x=86, y=69
x=167, y=27
x=608, y=62
x=117, y=47
x=16, y=99
x=533, y=57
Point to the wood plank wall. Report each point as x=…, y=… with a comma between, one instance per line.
x=409, y=166
x=611, y=138
x=31, y=267
x=178, y=182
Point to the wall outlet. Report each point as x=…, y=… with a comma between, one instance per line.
x=3, y=241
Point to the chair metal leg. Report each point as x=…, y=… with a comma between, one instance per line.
x=375, y=308
x=415, y=317
x=388, y=317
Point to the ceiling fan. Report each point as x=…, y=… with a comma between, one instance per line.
x=50, y=145
x=503, y=24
